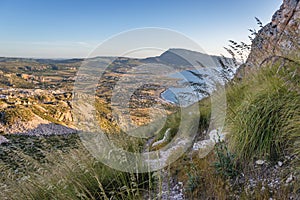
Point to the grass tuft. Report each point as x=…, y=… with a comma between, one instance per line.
x=263, y=111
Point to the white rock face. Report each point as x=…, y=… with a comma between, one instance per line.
x=216, y=136
x=3, y=140
x=279, y=38
x=165, y=139
x=260, y=162
x=204, y=147
x=289, y=179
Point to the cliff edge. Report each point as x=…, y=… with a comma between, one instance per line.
x=278, y=39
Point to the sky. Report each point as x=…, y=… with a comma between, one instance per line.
x=74, y=28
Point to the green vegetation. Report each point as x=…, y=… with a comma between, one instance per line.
x=59, y=167
x=263, y=110
x=14, y=114
x=263, y=122
x=225, y=165
x=173, y=121
x=82, y=177
x=33, y=150
x=45, y=115
x=263, y=115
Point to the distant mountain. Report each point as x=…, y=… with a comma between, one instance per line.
x=178, y=59
x=174, y=57
x=186, y=58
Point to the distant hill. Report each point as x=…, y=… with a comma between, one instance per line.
x=175, y=57
x=187, y=58
x=41, y=60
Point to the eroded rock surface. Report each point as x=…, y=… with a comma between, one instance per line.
x=278, y=39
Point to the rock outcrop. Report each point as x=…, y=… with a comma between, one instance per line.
x=3, y=140
x=278, y=39
x=36, y=126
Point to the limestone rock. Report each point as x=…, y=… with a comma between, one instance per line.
x=260, y=162
x=279, y=38
x=3, y=140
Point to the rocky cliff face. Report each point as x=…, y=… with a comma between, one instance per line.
x=280, y=38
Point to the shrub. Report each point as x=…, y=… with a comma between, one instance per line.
x=14, y=114
x=71, y=174
x=261, y=111
x=225, y=164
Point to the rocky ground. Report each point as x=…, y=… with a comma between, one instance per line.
x=278, y=39
x=266, y=177
x=37, y=126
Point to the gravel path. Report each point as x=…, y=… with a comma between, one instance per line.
x=167, y=187
x=170, y=188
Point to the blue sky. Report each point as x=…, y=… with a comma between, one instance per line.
x=73, y=28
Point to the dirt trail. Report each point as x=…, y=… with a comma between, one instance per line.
x=168, y=188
